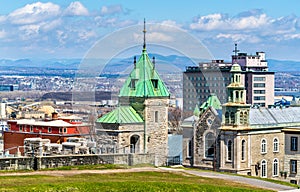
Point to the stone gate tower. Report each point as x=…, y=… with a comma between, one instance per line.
x=141, y=120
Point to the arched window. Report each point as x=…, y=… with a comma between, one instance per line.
x=275, y=167
x=232, y=118
x=156, y=116
x=226, y=118
x=241, y=118
x=134, y=144
x=229, y=150
x=245, y=118
x=275, y=145
x=243, y=149
x=263, y=168
x=263, y=146
x=209, y=145
x=236, y=96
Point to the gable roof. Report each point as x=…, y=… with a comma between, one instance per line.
x=144, y=81
x=122, y=114
x=212, y=101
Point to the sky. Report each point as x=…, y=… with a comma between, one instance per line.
x=68, y=29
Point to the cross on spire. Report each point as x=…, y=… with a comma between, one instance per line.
x=144, y=31
x=235, y=49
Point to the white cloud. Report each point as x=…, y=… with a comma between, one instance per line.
x=291, y=36
x=86, y=35
x=48, y=26
x=3, y=34
x=251, y=22
x=169, y=22
x=2, y=18
x=61, y=36
x=210, y=22
x=29, y=31
x=33, y=13
x=76, y=9
x=223, y=22
x=239, y=37
x=109, y=10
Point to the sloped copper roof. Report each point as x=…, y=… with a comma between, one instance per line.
x=122, y=114
x=146, y=80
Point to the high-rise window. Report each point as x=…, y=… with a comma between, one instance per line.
x=259, y=85
x=259, y=78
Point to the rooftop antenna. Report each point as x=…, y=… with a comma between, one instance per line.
x=144, y=31
x=235, y=52
x=235, y=49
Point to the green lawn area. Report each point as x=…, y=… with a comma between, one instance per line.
x=136, y=181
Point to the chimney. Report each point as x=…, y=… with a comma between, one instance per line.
x=54, y=115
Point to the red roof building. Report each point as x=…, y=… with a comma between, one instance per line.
x=56, y=129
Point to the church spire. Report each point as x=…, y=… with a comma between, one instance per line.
x=144, y=31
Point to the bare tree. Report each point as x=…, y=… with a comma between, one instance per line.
x=175, y=115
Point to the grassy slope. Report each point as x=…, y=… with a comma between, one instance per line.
x=139, y=181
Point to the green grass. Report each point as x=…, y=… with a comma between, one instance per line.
x=88, y=167
x=136, y=181
x=253, y=177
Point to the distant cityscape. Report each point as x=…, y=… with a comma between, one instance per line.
x=18, y=77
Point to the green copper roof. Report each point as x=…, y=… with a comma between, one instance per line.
x=212, y=101
x=235, y=68
x=196, y=111
x=122, y=114
x=144, y=81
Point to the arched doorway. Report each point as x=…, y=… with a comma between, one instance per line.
x=134, y=144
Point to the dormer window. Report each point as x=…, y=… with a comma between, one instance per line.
x=154, y=83
x=133, y=83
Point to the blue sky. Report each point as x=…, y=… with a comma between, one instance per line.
x=68, y=29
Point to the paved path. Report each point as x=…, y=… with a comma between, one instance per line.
x=249, y=181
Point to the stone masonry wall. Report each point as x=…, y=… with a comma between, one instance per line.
x=157, y=129
x=42, y=162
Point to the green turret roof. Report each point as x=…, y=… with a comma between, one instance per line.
x=122, y=114
x=212, y=101
x=144, y=81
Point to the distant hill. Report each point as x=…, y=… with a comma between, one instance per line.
x=283, y=66
x=164, y=64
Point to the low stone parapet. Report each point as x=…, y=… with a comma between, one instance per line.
x=43, y=162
